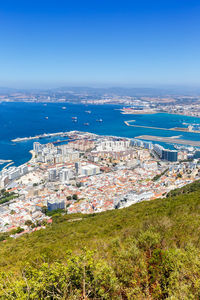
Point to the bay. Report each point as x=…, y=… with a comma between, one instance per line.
x=29, y=119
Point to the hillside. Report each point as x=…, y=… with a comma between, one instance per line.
x=150, y=250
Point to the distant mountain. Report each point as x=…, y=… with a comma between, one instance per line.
x=7, y=90
x=111, y=91
x=132, y=91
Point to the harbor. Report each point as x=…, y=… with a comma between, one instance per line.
x=169, y=140
x=37, y=128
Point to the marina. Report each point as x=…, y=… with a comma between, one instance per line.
x=169, y=140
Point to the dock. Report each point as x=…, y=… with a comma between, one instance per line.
x=169, y=140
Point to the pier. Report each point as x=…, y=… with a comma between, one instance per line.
x=169, y=140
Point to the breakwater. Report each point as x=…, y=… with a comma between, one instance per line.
x=40, y=136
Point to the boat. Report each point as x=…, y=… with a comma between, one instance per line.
x=86, y=124
x=64, y=107
x=46, y=118
x=74, y=118
x=99, y=120
x=88, y=111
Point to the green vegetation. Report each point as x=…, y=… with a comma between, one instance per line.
x=75, y=197
x=179, y=175
x=190, y=188
x=160, y=175
x=56, y=212
x=18, y=230
x=6, y=196
x=150, y=250
x=4, y=236
x=28, y=223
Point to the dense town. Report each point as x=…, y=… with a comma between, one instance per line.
x=89, y=174
x=129, y=98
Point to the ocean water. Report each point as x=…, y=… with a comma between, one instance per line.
x=28, y=119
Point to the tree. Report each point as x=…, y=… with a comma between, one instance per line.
x=44, y=210
x=75, y=197
x=16, y=231
x=28, y=223
x=148, y=240
x=81, y=277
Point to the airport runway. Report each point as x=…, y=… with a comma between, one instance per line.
x=169, y=140
x=160, y=128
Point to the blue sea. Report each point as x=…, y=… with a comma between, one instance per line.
x=29, y=119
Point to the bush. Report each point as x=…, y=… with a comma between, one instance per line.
x=80, y=276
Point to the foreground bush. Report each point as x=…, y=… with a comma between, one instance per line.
x=79, y=277
x=141, y=271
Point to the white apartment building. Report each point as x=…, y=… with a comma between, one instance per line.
x=110, y=145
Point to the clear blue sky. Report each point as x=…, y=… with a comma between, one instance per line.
x=56, y=43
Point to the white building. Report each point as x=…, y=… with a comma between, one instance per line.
x=89, y=170
x=110, y=145
x=65, y=174
x=52, y=174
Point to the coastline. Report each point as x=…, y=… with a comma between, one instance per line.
x=8, y=165
x=32, y=157
x=60, y=121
